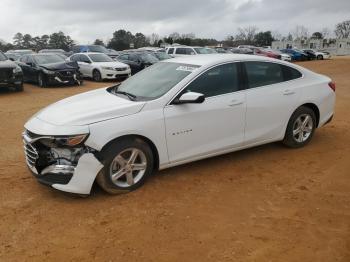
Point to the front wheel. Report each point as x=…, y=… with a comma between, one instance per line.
x=127, y=164
x=300, y=128
x=319, y=57
x=42, y=80
x=96, y=75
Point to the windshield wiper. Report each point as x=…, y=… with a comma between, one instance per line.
x=130, y=96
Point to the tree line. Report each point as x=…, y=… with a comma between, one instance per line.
x=122, y=39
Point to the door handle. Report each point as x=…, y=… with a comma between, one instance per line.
x=236, y=103
x=288, y=92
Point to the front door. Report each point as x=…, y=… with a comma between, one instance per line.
x=195, y=130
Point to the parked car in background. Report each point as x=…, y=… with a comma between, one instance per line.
x=55, y=51
x=49, y=69
x=317, y=54
x=284, y=57
x=222, y=50
x=99, y=66
x=17, y=53
x=294, y=54
x=188, y=50
x=12, y=56
x=242, y=50
x=94, y=49
x=137, y=60
x=113, y=53
x=174, y=112
x=10, y=74
x=267, y=52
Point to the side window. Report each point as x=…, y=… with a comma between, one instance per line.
x=123, y=57
x=290, y=73
x=181, y=51
x=84, y=58
x=133, y=57
x=219, y=80
x=190, y=51
x=171, y=51
x=24, y=59
x=263, y=73
x=75, y=58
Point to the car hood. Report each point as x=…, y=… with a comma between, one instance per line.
x=7, y=64
x=60, y=66
x=113, y=64
x=87, y=108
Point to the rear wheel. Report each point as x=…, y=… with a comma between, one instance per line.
x=96, y=75
x=127, y=164
x=301, y=127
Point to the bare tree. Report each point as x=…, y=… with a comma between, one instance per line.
x=189, y=35
x=246, y=34
x=175, y=36
x=300, y=32
x=277, y=35
x=326, y=32
x=342, y=30
x=153, y=38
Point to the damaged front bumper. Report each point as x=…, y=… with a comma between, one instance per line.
x=67, y=169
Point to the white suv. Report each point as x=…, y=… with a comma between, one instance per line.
x=100, y=66
x=187, y=50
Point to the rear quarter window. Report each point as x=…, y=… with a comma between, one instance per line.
x=290, y=73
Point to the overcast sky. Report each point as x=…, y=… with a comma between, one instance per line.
x=86, y=20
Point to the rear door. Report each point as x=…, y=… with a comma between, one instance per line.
x=272, y=95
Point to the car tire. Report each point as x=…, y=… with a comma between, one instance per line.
x=19, y=88
x=41, y=80
x=121, y=173
x=320, y=57
x=96, y=76
x=300, y=128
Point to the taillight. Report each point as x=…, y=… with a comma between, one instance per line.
x=332, y=85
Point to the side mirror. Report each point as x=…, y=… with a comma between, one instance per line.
x=189, y=98
x=30, y=64
x=11, y=59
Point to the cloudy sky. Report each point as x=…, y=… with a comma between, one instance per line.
x=86, y=20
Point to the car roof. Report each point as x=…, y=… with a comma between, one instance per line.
x=89, y=53
x=212, y=59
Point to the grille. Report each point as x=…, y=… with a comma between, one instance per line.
x=121, y=69
x=5, y=74
x=66, y=73
x=31, y=154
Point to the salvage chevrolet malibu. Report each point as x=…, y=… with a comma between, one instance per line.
x=174, y=112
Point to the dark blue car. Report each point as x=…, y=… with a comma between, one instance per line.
x=295, y=55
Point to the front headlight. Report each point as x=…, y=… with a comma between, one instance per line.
x=108, y=68
x=67, y=141
x=48, y=72
x=17, y=70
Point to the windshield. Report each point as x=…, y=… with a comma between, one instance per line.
x=162, y=56
x=202, y=50
x=99, y=58
x=48, y=59
x=156, y=80
x=149, y=58
x=2, y=57
x=98, y=49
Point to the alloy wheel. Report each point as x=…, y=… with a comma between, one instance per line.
x=302, y=128
x=128, y=167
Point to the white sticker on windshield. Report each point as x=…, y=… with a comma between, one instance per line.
x=186, y=68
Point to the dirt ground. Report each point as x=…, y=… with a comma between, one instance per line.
x=268, y=203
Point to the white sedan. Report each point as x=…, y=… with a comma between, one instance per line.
x=99, y=66
x=174, y=112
